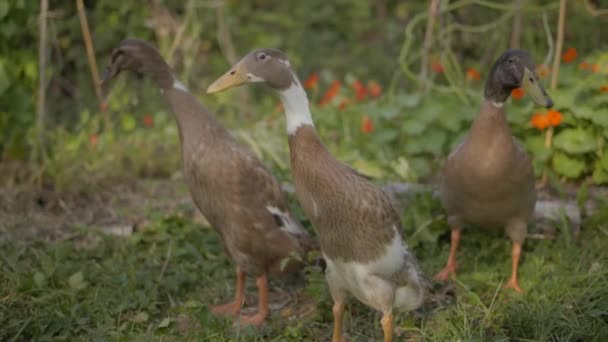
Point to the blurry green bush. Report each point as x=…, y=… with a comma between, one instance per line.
x=401, y=132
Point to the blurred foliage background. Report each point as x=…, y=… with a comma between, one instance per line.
x=392, y=91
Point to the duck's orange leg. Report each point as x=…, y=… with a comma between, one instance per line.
x=450, y=267
x=387, y=326
x=233, y=308
x=258, y=318
x=513, y=283
x=338, y=311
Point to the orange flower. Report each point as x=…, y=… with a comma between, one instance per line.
x=604, y=88
x=569, y=55
x=312, y=81
x=540, y=121
x=543, y=70
x=437, y=67
x=367, y=126
x=360, y=90
x=595, y=67
x=374, y=88
x=473, y=74
x=584, y=65
x=517, y=93
x=334, y=89
x=94, y=140
x=554, y=117
x=148, y=120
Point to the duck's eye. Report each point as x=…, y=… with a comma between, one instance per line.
x=510, y=60
x=531, y=80
x=262, y=56
x=233, y=72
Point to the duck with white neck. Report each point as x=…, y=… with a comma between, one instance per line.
x=358, y=229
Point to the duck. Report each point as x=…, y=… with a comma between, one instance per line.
x=357, y=227
x=488, y=179
x=230, y=186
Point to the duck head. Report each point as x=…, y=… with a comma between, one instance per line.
x=270, y=66
x=140, y=57
x=515, y=69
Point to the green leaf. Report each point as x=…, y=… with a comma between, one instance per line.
x=413, y=127
x=568, y=166
x=165, y=322
x=600, y=117
x=76, y=281
x=128, y=122
x=39, y=278
x=4, y=81
x=600, y=175
x=575, y=141
x=603, y=161
x=582, y=112
x=536, y=145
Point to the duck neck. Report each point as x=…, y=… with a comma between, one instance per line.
x=495, y=90
x=295, y=104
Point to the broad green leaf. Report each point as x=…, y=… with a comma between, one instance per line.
x=563, y=98
x=582, y=112
x=575, y=141
x=369, y=168
x=413, y=127
x=600, y=117
x=165, y=322
x=603, y=161
x=128, y=122
x=39, y=278
x=76, y=281
x=536, y=145
x=600, y=175
x=568, y=166
x=409, y=100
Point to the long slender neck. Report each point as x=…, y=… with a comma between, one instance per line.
x=295, y=103
x=195, y=122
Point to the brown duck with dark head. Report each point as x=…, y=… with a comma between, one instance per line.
x=488, y=179
x=231, y=187
x=358, y=229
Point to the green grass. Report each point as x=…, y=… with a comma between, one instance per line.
x=157, y=284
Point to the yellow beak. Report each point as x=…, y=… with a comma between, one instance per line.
x=235, y=77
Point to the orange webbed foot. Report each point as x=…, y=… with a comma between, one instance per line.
x=255, y=320
x=514, y=284
x=445, y=273
x=228, y=309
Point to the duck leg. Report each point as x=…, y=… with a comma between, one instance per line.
x=513, y=283
x=233, y=308
x=338, y=311
x=258, y=318
x=517, y=230
x=450, y=267
x=387, y=326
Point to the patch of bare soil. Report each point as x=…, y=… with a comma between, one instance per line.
x=27, y=211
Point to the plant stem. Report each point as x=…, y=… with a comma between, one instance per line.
x=40, y=120
x=86, y=33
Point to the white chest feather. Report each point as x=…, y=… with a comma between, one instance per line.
x=295, y=103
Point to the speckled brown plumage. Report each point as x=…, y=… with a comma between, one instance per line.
x=352, y=217
x=358, y=228
x=239, y=197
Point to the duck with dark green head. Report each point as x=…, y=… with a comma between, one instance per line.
x=488, y=180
